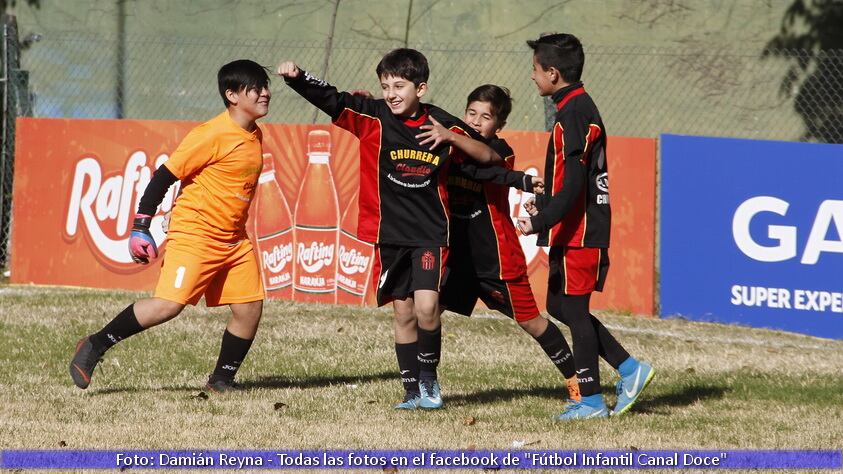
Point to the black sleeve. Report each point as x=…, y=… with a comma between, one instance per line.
x=497, y=175
x=155, y=191
x=329, y=100
x=554, y=208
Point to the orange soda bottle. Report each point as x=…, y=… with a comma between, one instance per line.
x=354, y=259
x=316, y=219
x=274, y=233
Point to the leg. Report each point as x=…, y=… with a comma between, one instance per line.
x=426, y=310
x=238, y=284
x=572, y=277
x=610, y=349
x=245, y=318
x=135, y=318
x=236, y=342
x=574, y=313
x=515, y=299
x=428, y=270
x=405, y=323
x=406, y=351
x=154, y=311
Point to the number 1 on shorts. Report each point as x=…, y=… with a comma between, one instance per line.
x=179, y=277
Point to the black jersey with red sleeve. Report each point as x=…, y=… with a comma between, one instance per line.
x=574, y=211
x=403, y=186
x=481, y=220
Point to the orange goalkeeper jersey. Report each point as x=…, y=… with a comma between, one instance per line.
x=218, y=164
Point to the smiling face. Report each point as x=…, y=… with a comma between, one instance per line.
x=480, y=116
x=402, y=95
x=253, y=103
x=543, y=78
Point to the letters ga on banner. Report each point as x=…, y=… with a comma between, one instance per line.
x=78, y=182
x=752, y=233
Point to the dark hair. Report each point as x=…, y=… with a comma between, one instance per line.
x=404, y=63
x=239, y=75
x=498, y=97
x=561, y=51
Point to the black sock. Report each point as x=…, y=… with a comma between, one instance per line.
x=232, y=352
x=573, y=311
x=122, y=326
x=557, y=349
x=430, y=349
x=610, y=349
x=408, y=364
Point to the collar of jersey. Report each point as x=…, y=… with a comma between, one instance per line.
x=250, y=135
x=418, y=121
x=563, y=95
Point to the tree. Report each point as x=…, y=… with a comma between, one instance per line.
x=811, y=39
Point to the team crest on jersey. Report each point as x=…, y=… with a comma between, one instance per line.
x=602, y=182
x=427, y=260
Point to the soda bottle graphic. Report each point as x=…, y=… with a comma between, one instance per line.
x=274, y=233
x=354, y=259
x=316, y=219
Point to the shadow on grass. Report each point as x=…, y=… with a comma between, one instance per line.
x=651, y=401
x=274, y=382
x=316, y=381
x=680, y=397
x=483, y=397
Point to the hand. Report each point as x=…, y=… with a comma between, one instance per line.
x=538, y=185
x=436, y=134
x=525, y=225
x=530, y=206
x=288, y=70
x=141, y=244
x=362, y=93
x=165, y=224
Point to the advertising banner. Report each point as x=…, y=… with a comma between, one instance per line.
x=752, y=233
x=78, y=182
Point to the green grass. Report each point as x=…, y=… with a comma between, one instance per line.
x=334, y=371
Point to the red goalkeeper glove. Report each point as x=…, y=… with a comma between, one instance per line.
x=141, y=244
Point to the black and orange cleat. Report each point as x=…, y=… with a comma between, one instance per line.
x=84, y=361
x=219, y=385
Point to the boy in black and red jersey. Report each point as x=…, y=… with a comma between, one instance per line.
x=486, y=261
x=573, y=218
x=406, y=150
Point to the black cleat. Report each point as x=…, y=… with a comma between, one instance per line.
x=84, y=361
x=216, y=385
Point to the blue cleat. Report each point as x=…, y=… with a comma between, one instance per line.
x=411, y=401
x=631, y=386
x=431, y=398
x=583, y=411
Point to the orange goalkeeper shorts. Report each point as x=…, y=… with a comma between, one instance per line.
x=224, y=273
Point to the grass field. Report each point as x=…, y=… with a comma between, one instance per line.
x=325, y=377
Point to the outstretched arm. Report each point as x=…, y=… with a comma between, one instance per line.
x=436, y=134
x=500, y=175
x=321, y=94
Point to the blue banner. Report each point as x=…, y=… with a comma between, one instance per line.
x=427, y=459
x=752, y=233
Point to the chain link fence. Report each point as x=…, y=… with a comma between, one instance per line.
x=779, y=95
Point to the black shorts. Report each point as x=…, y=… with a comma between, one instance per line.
x=399, y=271
x=463, y=288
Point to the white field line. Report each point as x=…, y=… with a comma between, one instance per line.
x=707, y=339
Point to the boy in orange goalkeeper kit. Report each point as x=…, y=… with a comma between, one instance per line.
x=208, y=251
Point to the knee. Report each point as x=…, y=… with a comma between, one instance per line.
x=534, y=327
x=405, y=319
x=248, y=311
x=167, y=309
x=427, y=314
